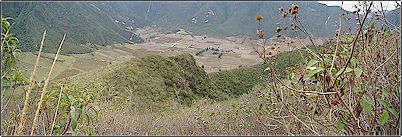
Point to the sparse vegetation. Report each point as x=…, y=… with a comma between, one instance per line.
x=338, y=82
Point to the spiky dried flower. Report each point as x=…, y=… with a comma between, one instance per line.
x=259, y=95
x=278, y=29
x=297, y=66
x=335, y=101
x=284, y=14
x=293, y=27
x=294, y=9
x=261, y=35
x=259, y=17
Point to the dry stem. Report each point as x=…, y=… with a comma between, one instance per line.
x=57, y=109
x=21, y=126
x=44, y=89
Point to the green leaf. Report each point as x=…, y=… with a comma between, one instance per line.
x=290, y=76
x=288, y=82
x=312, y=62
x=349, y=38
x=340, y=125
x=358, y=72
x=318, y=86
x=372, y=25
x=383, y=102
x=384, y=93
x=346, y=71
x=96, y=109
x=343, y=110
x=384, y=117
x=74, y=118
x=367, y=106
x=353, y=62
x=394, y=112
x=311, y=68
x=312, y=72
x=357, y=90
x=89, y=118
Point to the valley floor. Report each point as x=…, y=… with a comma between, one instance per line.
x=237, y=52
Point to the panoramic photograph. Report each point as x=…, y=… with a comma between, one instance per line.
x=200, y=68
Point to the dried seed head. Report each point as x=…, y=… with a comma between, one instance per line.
x=284, y=14
x=294, y=9
x=261, y=35
x=335, y=101
x=278, y=30
x=293, y=27
x=259, y=17
x=324, y=50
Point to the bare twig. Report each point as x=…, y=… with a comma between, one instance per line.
x=354, y=42
x=337, y=41
x=303, y=91
x=303, y=123
x=392, y=55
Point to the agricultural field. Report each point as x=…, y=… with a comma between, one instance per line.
x=237, y=52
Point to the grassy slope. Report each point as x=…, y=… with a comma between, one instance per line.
x=26, y=62
x=156, y=83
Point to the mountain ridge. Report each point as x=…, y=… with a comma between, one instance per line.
x=102, y=23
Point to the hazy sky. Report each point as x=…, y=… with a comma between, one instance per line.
x=348, y=5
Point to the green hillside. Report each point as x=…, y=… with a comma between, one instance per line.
x=161, y=79
x=155, y=83
x=81, y=22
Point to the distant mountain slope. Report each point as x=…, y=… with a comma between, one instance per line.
x=394, y=17
x=112, y=22
x=82, y=22
x=226, y=18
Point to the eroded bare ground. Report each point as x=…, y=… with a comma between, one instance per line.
x=237, y=51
